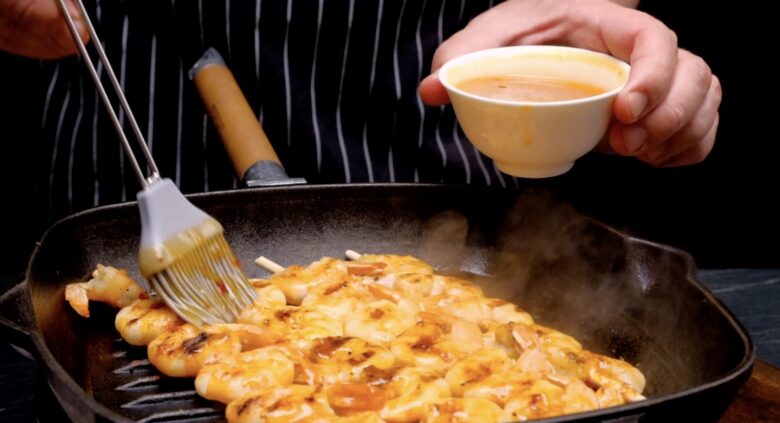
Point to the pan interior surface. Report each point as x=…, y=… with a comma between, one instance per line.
x=617, y=295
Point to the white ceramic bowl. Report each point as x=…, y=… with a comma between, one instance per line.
x=535, y=139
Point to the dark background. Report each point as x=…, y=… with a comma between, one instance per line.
x=723, y=211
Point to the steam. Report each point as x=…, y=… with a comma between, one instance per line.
x=617, y=297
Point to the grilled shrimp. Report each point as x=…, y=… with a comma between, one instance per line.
x=344, y=360
x=465, y=410
x=296, y=324
x=395, y=264
x=233, y=377
x=144, y=320
x=438, y=340
x=185, y=350
x=617, y=381
x=296, y=281
x=477, y=309
x=340, y=298
x=474, y=368
x=378, y=322
x=282, y=404
x=409, y=391
x=108, y=285
x=268, y=294
x=542, y=398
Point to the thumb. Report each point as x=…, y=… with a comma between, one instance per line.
x=497, y=27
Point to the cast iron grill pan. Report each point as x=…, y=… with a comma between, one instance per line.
x=616, y=294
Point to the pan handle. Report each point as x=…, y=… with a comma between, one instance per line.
x=250, y=151
x=16, y=326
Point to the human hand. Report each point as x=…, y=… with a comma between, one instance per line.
x=36, y=28
x=667, y=114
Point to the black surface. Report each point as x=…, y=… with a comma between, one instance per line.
x=618, y=295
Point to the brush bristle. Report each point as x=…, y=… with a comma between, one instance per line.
x=206, y=285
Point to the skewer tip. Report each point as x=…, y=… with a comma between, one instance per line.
x=352, y=255
x=268, y=265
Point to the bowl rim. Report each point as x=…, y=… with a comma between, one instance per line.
x=512, y=50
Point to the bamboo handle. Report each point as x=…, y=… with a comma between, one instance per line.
x=239, y=128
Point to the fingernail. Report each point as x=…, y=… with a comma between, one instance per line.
x=634, y=137
x=637, y=102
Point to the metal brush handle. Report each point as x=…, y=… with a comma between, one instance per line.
x=145, y=180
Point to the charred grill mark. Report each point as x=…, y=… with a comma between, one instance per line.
x=365, y=269
x=283, y=315
x=365, y=355
x=326, y=346
x=477, y=374
x=376, y=376
x=425, y=343
x=193, y=345
x=333, y=288
x=592, y=384
x=537, y=399
x=152, y=307
x=575, y=358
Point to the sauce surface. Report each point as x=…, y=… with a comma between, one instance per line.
x=528, y=88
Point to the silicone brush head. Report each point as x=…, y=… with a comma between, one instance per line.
x=186, y=258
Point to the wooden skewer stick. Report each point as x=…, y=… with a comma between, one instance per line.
x=352, y=255
x=268, y=265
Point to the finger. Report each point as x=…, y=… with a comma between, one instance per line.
x=649, y=47
x=693, y=132
x=695, y=154
x=60, y=35
x=498, y=26
x=686, y=97
x=509, y=23
x=38, y=30
x=432, y=92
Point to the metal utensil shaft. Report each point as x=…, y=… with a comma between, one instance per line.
x=142, y=177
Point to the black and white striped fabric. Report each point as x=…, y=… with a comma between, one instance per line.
x=334, y=83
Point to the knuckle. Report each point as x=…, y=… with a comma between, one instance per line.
x=701, y=71
x=671, y=36
x=716, y=88
x=675, y=117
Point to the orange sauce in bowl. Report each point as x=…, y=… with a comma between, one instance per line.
x=528, y=88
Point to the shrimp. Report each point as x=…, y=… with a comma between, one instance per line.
x=185, y=350
x=296, y=281
x=394, y=264
x=233, y=377
x=436, y=341
x=108, y=285
x=296, y=324
x=144, y=320
x=541, y=398
x=617, y=381
x=277, y=404
x=475, y=308
x=466, y=410
x=409, y=390
x=340, y=298
x=378, y=322
x=344, y=360
x=474, y=368
x=268, y=294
